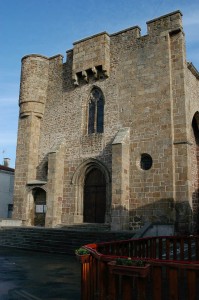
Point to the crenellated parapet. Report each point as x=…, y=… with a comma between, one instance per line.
x=91, y=56
x=166, y=23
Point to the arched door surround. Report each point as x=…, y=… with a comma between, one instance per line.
x=81, y=178
x=36, y=207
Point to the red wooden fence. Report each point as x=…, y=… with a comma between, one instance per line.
x=174, y=271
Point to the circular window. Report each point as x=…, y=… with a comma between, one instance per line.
x=146, y=161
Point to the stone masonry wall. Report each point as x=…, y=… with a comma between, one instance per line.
x=145, y=90
x=192, y=88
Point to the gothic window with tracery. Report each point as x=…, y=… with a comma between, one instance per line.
x=96, y=112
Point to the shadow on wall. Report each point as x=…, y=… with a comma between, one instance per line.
x=165, y=211
x=195, y=202
x=42, y=169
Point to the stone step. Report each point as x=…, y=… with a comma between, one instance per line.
x=19, y=294
x=57, y=240
x=86, y=227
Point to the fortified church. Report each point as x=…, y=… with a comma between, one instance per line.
x=111, y=135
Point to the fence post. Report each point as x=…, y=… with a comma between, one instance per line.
x=191, y=282
x=157, y=282
x=173, y=284
x=141, y=288
x=85, y=281
x=102, y=280
x=127, y=288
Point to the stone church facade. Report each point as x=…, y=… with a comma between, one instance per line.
x=111, y=135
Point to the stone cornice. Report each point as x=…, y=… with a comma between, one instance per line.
x=193, y=70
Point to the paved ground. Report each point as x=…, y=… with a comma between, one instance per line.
x=24, y=274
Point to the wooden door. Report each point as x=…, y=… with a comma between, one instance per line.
x=94, y=197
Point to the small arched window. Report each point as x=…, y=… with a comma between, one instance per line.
x=96, y=112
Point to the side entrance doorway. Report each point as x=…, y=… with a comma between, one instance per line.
x=94, y=197
x=40, y=207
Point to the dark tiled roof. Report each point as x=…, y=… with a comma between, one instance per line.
x=4, y=168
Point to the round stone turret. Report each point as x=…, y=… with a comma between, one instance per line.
x=34, y=83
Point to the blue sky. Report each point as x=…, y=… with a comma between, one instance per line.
x=50, y=27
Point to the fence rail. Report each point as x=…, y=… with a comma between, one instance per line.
x=174, y=270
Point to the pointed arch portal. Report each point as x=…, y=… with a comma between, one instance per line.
x=92, y=187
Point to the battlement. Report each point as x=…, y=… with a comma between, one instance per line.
x=91, y=56
x=169, y=22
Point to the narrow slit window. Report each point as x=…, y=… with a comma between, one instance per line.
x=96, y=112
x=91, y=121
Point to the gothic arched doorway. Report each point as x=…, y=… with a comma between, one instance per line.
x=40, y=207
x=94, y=197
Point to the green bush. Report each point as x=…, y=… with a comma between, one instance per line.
x=130, y=262
x=81, y=251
